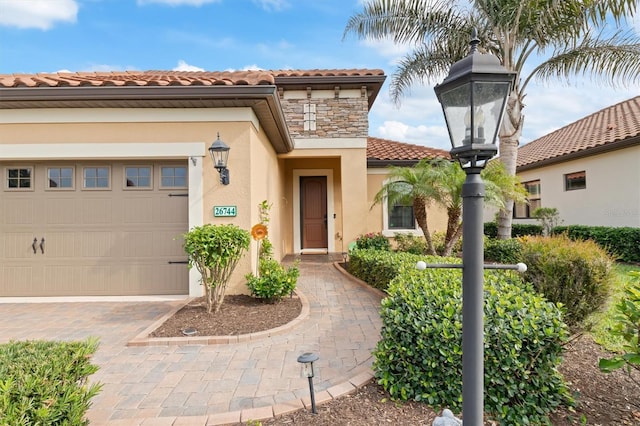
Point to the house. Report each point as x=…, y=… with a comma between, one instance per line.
x=588, y=170
x=103, y=172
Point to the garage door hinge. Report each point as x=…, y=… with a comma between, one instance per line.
x=178, y=195
x=182, y=262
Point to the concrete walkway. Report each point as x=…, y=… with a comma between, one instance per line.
x=198, y=384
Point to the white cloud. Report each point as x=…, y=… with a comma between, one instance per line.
x=183, y=66
x=272, y=4
x=388, y=49
x=41, y=14
x=178, y=2
x=431, y=136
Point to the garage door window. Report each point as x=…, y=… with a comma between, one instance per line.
x=60, y=178
x=173, y=177
x=19, y=178
x=137, y=177
x=96, y=178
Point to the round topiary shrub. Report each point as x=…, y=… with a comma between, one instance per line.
x=574, y=273
x=419, y=356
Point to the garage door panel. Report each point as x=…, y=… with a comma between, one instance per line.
x=111, y=241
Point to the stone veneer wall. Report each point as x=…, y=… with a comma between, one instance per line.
x=339, y=116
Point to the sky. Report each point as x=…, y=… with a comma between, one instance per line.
x=216, y=35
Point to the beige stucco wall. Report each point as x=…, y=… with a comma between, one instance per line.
x=436, y=215
x=612, y=195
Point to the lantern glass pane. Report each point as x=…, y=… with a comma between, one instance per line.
x=489, y=100
x=456, y=106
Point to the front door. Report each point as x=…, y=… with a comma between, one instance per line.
x=313, y=212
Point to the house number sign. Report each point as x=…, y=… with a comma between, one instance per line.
x=225, y=211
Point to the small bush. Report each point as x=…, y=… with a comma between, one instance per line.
x=374, y=241
x=274, y=281
x=503, y=251
x=419, y=356
x=623, y=243
x=517, y=229
x=573, y=273
x=439, y=243
x=408, y=243
x=45, y=383
x=378, y=268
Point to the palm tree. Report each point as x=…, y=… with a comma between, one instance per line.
x=440, y=182
x=571, y=34
x=415, y=186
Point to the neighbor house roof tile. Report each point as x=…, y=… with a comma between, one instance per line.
x=170, y=78
x=386, y=150
x=608, y=126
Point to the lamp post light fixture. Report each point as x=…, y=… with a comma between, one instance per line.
x=307, y=359
x=220, y=154
x=473, y=98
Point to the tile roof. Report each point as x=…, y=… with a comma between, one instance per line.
x=384, y=150
x=604, y=129
x=171, y=78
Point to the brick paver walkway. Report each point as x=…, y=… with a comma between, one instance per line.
x=213, y=384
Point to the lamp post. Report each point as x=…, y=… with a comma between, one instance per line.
x=473, y=98
x=219, y=152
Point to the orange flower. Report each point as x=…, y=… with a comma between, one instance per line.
x=259, y=232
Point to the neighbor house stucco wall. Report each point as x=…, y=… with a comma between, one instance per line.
x=611, y=196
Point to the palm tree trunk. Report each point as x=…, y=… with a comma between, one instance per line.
x=420, y=211
x=510, y=132
x=453, y=226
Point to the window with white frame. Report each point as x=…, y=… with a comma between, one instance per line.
x=96, y=177
x=173, y=177
x=399, y=217
x=19, y=178
x=525, y=210
x=137, y=177
x=60, y=178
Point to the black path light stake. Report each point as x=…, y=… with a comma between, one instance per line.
x=307, y=359
x=473, y=98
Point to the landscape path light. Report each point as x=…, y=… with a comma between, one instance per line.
x=307, y=359
x=473, y=98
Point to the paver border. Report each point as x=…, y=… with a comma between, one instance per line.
x=143, y=339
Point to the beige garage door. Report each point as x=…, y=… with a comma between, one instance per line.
x=93, y=228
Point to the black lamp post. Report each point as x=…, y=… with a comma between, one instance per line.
x=220, y=154
x=473, y=98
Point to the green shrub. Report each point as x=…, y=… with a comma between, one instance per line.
x=378, y=268
x=439, y=241
x=215, y=251
x=517, y=229
x=274, y=281
x=503, y=251
x=419, y=356
x=373, y=240
x=45, y=383
x=408, y=243
x=573, y=273
x=623, y=243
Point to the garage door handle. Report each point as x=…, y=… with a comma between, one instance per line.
x=42, y=245
x=33, y=246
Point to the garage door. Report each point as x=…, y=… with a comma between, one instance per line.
x=108, y=228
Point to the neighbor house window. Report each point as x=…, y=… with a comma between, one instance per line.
x=138, y=177
x=96, y=178
x=577, y=180
x=173, y=177
x=525, y=210
x=19, y=178
x=60, y=177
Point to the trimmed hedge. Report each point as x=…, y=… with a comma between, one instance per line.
x=503, y=251
x=517, y=229
x=377, y=268
x=623, y=243
x=45, y=383
x=573, y=273
x=419, y=356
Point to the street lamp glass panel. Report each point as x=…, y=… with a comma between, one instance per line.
x=219, y=154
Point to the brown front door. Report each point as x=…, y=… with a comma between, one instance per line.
x=313, y=199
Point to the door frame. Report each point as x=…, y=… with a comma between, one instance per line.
x=297, y=231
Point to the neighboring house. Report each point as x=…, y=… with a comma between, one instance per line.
x=103, y=172
x=588, y=170
x=382, y=153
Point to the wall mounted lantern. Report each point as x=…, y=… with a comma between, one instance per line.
x=220, y=154
x=307, y=359
x=473, y=98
